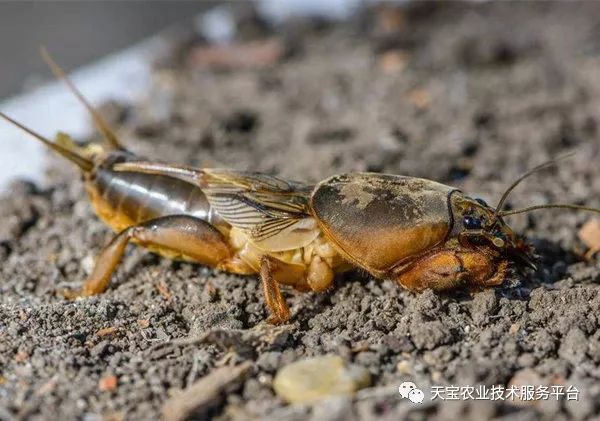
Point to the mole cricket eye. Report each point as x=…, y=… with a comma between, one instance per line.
x=481, y=202
x=471, y=223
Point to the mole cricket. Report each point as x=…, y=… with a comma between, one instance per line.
x=420, y=233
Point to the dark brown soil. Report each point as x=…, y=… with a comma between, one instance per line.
x=487, y=91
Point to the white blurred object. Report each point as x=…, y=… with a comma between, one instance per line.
x=217, y=25
x=278, y=11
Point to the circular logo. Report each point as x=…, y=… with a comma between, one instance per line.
x=405, y=389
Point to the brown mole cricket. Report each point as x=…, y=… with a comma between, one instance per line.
x=417, y=232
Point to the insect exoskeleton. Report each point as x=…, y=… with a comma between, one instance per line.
x=419, y=232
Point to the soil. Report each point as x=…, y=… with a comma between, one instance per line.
x=471, y=95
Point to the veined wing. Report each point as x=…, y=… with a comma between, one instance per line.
x=273, y=212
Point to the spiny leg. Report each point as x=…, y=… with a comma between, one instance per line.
x=176, y=235
x=280, y=312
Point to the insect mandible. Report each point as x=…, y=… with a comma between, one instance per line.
x=417, y=232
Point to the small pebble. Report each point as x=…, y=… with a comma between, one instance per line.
x=108, y=383
x=404, y=367
x=313, y=379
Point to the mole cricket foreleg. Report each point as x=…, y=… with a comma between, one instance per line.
x=439, y=270
x=178, y=234
x=448, y=268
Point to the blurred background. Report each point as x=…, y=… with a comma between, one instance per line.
x=81, y=31
x=77, y=32
x=112, y=44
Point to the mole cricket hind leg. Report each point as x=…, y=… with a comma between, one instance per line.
x=177, y=234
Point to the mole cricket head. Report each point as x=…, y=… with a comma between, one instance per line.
x=477, y=225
